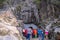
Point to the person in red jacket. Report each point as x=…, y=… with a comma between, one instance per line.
x=25, y=32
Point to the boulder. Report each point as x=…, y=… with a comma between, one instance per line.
x=7, y=17
x=8, y=23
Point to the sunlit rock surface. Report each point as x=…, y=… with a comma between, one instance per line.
x=8, y=37
x=8, y=18
x=8, y=23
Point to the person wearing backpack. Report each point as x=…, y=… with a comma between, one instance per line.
x=40, y=34
x=29, y=33
x=46, y=34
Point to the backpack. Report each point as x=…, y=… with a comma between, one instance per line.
x=25, y=32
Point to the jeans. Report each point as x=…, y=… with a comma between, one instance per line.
x=28, y=36
x=41, y=37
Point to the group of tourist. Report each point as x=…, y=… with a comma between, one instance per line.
x=34, y=33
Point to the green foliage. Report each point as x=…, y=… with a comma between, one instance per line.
x=1, y=1
x=56, y=24
x=18, y=8
x=57, y=2
x=37, y=1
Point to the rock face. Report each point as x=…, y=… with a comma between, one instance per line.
x=8, y=23
x=8, y=18
x=29, y=11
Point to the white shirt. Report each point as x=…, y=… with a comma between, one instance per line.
x=29, y=31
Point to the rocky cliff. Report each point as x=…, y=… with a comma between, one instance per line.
x=8, y=23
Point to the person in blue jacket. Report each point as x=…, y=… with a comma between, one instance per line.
x=40, y=33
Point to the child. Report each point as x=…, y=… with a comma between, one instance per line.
x=40, y=34
x=34, y=33
x=46, y=34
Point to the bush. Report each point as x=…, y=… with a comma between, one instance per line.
x=57, y=2
x=1, y=3
x=37, y=1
